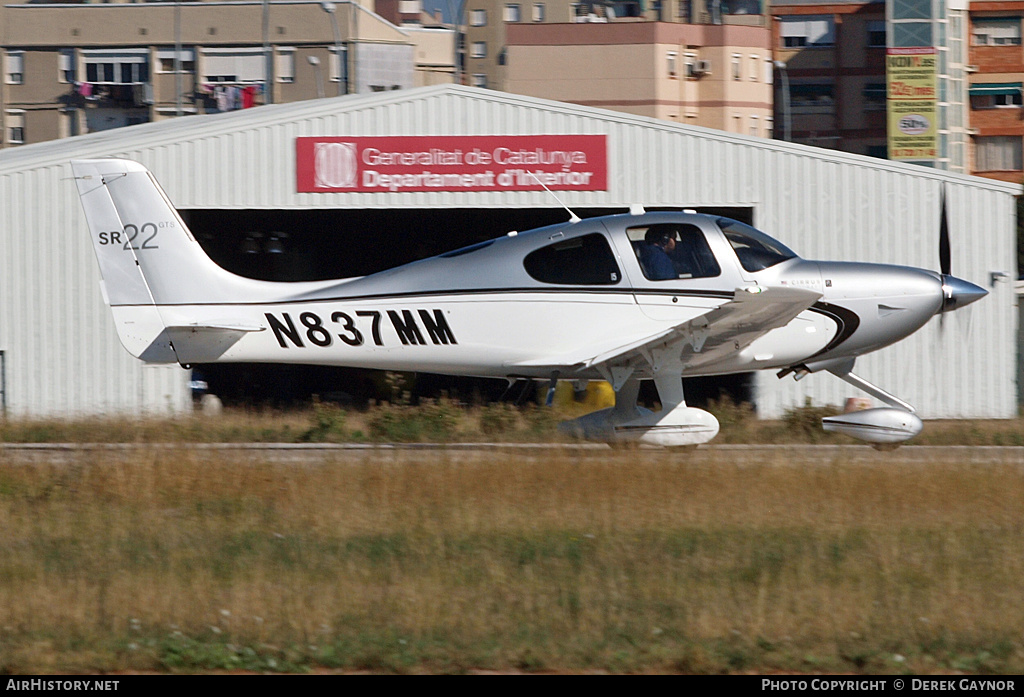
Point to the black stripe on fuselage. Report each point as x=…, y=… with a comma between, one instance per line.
x=573, y=290
x=847, y=321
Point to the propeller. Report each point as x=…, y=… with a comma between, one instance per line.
x=945, y=256
x=945, y=263
x=956, y=293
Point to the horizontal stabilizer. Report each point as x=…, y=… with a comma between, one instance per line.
x=215, y=328
x=195, y=343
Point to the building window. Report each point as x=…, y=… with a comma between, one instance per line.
x=769, y=71
x=66, y=72
x=478, y=49
x=285, y=64
x=478, y=18
x=234, y=65
x=125, y=67
x=996, y=95
x=769, y=127
x=68, y=122
x=15, y=70
x=736, y=66
x=671, y=61
x=479, y=80
x=755, y=61
x=339, y=64
x=875, y=96
x=753, y=126
x=16, y=126
x=998, y=153
x=538, y=12
x=186, y=58
x=811, y=32
x=1002, y=31
x=690, y=61
x=811, y=98
x=512, y=13
x=996, y=101
x=876, y=33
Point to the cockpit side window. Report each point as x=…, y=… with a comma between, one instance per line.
x=586, y=261
x=670, y=251
x=755, y=250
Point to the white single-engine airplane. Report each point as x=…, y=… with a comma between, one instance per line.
x=623, y=298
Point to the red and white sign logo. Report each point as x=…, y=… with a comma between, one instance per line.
x=334, y=165
x=452, y=163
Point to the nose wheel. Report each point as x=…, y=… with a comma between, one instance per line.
x=884, y=427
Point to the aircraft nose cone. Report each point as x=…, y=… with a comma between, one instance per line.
x=958, y=293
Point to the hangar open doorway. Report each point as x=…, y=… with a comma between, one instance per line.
x=320, y=244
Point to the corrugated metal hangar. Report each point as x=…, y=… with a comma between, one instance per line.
x=253, y=183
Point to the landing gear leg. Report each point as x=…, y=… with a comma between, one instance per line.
x=676, y=425
x=884, y=427
x=625, y=408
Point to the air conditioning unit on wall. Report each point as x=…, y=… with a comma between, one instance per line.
x=700, y=68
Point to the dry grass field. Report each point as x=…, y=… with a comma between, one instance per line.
x=182, y=559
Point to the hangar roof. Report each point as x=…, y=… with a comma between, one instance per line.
x=256, y=145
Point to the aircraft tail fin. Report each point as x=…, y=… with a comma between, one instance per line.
x=159, y=283
x=152, y=268
x=146, y=253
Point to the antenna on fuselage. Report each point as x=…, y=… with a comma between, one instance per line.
x=573, y=218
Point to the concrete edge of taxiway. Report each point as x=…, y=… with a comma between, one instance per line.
x=919, y=450
x=800, y=455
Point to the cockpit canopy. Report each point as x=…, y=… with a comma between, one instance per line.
x=755, y=250
x=666, y=247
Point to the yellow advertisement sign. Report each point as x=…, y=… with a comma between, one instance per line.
x=911, y=83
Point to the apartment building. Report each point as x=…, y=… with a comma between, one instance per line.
x=690, y=61
x=831, y=92
x=717, y=76
x=996, y=67
x=834, y=58
x=487, y=22
x=79, y=67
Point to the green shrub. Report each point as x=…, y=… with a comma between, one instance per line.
x=432, y=421
x=735, y=420
x=328, y=424
x=805, y=421
x=499, y=419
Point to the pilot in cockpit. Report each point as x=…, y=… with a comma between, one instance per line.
x=655, y=253
x=672, y=251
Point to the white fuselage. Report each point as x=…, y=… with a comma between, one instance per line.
x=465, y=334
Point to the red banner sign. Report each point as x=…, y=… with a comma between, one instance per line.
x=451, y=163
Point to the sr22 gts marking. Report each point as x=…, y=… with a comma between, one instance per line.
x=130, y=233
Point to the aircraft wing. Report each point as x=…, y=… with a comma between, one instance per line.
x=698, y=342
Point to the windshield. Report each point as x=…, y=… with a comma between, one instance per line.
x=755, y=250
